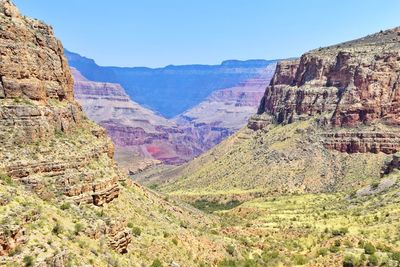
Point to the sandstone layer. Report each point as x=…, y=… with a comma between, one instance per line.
x=347, y=86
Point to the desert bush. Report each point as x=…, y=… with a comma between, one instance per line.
x=136, y=231
x=156, y=263
x=373, y=260
x=351, y=261
x=78, y=228
x=340, y=232
x=65, y=206
x=57, y=229
x=322, y=252
x=28, y=261
x=299, y=259
x=6, y=179
x=369, y=248
x=334, y=249
x=230, y=249
x=396, y=256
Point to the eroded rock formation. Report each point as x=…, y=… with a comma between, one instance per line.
x=45, y=140
x=346, y=86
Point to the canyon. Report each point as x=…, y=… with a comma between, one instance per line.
x=144, y=139
x=334, y=108
x=311, y=178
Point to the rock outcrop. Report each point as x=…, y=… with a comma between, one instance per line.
x=45, y=140
x=346, y=86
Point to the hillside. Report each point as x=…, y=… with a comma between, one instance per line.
x=63, y=200
x=171, y=90
x=327, y=123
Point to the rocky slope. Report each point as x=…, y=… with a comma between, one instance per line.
x=63, y=200
x=335, y=109
x=171, y=90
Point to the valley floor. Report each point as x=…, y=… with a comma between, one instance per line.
x=335, y=229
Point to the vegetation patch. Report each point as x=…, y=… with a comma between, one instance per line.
x=212, y=206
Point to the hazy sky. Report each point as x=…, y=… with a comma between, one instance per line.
x=162, y=32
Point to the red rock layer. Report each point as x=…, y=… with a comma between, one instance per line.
x=350, y=84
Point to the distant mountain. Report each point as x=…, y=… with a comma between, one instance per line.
x=171, y=90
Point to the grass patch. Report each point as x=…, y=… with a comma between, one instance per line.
x=212, y=206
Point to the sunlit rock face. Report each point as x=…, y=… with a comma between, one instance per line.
x=348, y=86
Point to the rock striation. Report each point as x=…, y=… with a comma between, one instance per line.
x=348, y=85
x=41, y=126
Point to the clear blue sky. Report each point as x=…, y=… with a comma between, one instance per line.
x=162, y=32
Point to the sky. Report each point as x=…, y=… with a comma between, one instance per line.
x=156, y=33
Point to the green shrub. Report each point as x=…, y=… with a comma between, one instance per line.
x=373, y=260
x=156, y=263
x=136, y=231
x=269, y=255
x=57, y=229
x=334, y=249
x=369, y=248
x=227, y=263
x=6, y=179
x=396, y=256
x=230, y=249
x=175, y=242
x=65, y=206
x=322, y=252
x=78, y=228
x=299, y=259
x=340, y=232
x=28, y=261
x=211, y=206
x=351, y=261
x=165, y=234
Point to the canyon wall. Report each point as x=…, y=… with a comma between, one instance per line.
x=353, y=88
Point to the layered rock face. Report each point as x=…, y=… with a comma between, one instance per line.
x=38, y=114
x=347, y=86
x=141, y=135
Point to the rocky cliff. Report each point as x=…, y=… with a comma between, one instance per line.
x=348, y=86
x=38, y=112
x=63, y=199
